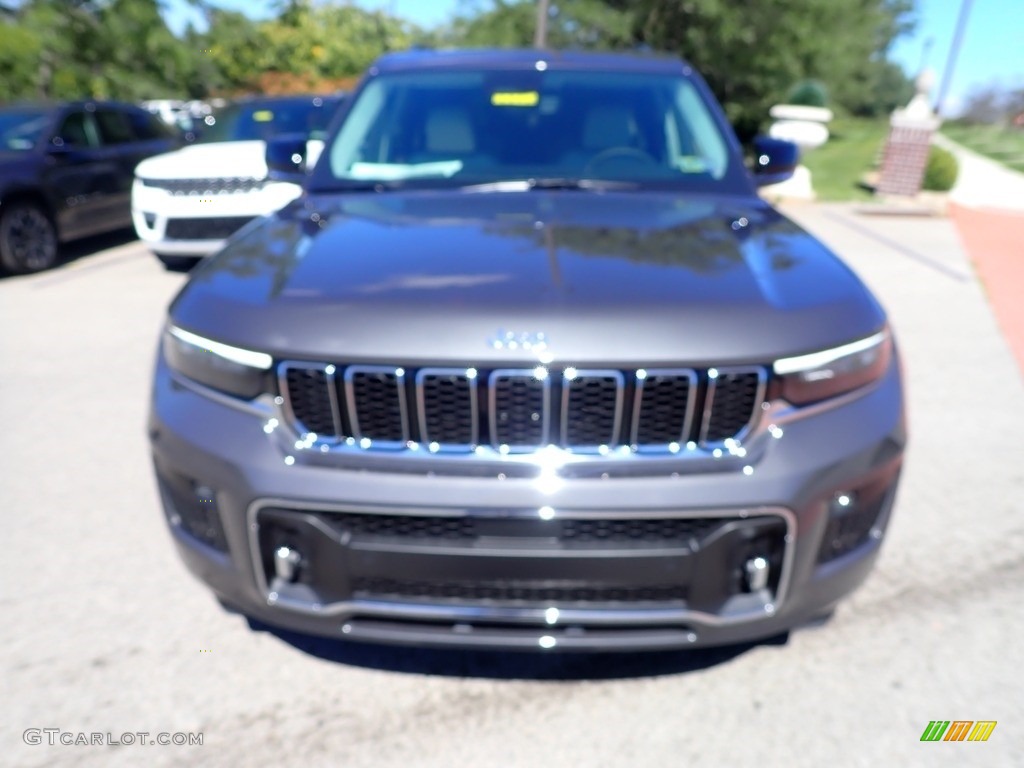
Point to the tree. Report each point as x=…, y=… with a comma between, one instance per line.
x=751, y=53
x=92, y=48
x=583, y=24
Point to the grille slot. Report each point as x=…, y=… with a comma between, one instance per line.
x=732, y=399
x=312, y=399
x=513, y=410
x=376, y=401
x=447, y=404
x=520, y=408
x=591, y=408
x=663, y=412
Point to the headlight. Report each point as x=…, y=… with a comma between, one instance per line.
x=239, y=372
x=821, y=375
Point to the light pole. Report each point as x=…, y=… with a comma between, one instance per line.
x=540, y=35
x=954, y=51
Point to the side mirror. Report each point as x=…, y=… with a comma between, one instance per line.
x=286, y=158
x=775, y=160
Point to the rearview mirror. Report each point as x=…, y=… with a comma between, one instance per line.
x=775, y=160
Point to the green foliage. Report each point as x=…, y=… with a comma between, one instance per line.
x=19, y=56
x=838, y=166
x=876, y=89
x=580, y=24
x=750, y=52
x=808, y=93
x=1004, y=144
x=941, y=171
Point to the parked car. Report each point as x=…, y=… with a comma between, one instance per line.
x=187, y=203
x=66, y=172
x=529, y=365
x=171, y=111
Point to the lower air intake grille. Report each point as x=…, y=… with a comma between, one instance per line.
x=212, y=228
x=515, y=591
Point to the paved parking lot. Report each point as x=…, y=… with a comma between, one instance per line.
x=104, y=631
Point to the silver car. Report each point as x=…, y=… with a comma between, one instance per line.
x=528, y=365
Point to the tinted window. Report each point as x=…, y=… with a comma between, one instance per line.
x=478, y=127
x=114, y=127
x=78, y=130
x=260, y=120
x=22, y=129
x=147, y=126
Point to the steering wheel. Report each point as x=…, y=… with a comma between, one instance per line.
x=612, y=154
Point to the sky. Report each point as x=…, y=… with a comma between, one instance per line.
x=992, y=51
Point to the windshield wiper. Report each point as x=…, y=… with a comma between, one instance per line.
x=524, y=185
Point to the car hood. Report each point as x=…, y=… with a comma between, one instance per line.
x=209, y=161
x=606, y=278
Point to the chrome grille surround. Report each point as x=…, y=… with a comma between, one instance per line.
x=508, y=412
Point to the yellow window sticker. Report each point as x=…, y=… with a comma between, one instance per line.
x=263, y=116
x=515, y=98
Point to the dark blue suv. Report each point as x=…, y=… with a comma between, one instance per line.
x=66, y=171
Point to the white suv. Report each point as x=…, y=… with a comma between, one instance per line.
x=185, y=204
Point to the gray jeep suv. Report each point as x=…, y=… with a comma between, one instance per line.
x=528, y=365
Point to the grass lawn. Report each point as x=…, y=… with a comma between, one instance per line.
x=854, y=146
x=1005, y=145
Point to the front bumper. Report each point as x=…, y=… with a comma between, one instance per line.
x=475, y=568
x=200, y=224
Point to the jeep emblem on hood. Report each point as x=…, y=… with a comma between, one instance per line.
x=511, y=340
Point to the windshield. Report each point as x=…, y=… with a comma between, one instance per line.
x=462, y=128
x=262, y=120
x=22, y=130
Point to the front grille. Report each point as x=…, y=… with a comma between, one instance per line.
x=512, y=591
x=213, y=186
x=521, y=410
x=208, y=228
